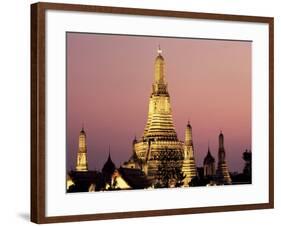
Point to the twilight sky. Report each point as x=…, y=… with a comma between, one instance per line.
x=109, y=81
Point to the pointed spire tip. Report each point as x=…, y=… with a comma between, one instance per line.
x=159, y=51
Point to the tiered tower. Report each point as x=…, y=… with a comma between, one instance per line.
x=223, y=176
x=82, y=161
x=159, y=138
x=188, y=166
x=160, y=121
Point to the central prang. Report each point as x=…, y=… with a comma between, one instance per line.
x=159, y=151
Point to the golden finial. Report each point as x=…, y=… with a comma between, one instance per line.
x=159, y=51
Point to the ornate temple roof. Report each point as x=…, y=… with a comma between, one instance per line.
x=135, y=178
x=109, y=166
x=209, y=158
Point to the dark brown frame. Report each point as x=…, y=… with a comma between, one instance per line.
x=38, y=22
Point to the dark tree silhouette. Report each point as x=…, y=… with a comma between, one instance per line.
x=247, y=157
x=198, y=181
x=246, y=176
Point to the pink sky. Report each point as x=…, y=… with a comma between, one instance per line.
x=109, y=79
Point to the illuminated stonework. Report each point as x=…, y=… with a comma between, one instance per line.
x=159, y=135
x=82, y=161
x=223, y=176
x=188, y=166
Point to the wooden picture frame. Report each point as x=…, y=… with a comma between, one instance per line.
x=38, y=109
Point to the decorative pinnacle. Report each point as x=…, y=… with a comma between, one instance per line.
x=159, y=51
x=82, y=129
x=109, y=156
x=209, y=146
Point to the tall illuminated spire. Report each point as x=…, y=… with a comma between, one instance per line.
x=82, y=161
x=188, y=135
x=223, y=176
x=221, y=153
x=159, y=138
x=160, y=122
x=159, y=73
x=188, y=166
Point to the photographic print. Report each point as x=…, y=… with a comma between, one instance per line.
x=147, y=112
x=140, y=104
